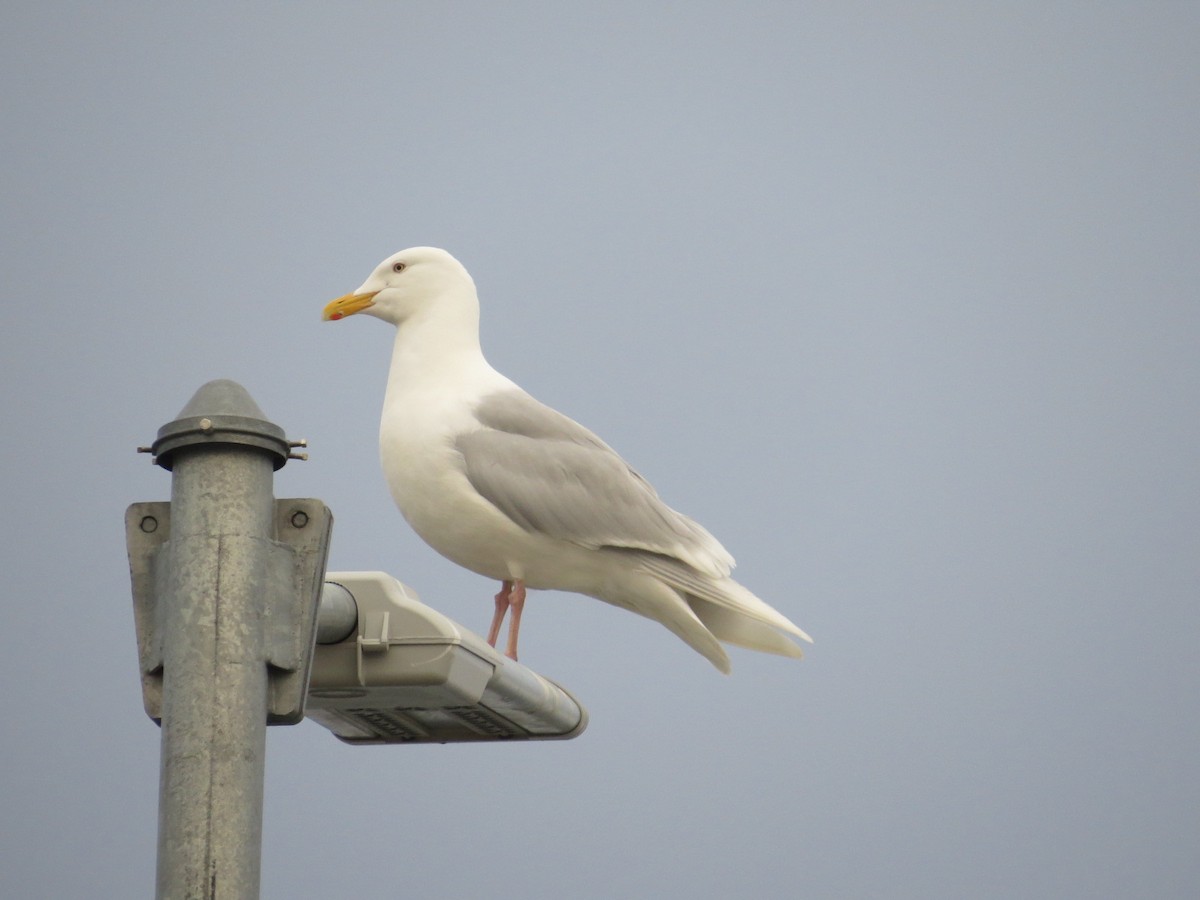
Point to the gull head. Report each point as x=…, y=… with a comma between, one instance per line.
x=408, y=284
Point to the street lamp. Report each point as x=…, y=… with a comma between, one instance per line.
x=403, y=673
x=230, y=598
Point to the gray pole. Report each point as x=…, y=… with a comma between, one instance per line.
x=214, y=720
x=217, y=629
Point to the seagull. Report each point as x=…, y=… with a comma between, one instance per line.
x=517, y=492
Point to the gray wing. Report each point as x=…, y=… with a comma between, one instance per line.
x=551, y=475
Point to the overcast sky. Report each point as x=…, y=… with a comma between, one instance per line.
x=900, y=300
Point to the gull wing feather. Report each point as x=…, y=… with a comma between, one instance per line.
x=552, y=476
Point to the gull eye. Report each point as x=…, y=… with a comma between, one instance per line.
x=399, y=267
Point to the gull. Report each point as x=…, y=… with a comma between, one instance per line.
x=513, y=490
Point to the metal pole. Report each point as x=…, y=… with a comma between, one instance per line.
x=226, y=582
x=214, y=698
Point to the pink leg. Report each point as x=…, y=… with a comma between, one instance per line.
x=516, y=600
x=502, y=603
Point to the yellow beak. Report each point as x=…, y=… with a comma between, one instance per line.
x=347, y=306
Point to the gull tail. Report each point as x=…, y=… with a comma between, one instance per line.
x=723, y=600
x=704, y=611
x=734, y=628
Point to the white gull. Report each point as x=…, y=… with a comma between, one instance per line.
x=513, y=490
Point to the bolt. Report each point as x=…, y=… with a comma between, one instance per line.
x=149, y=524
x=206, y=425
x=299, y=518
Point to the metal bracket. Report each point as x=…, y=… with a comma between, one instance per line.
x=372, y=645
x=147, y=530
x=296, y=564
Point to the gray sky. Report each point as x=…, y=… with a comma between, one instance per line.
x=899, y=300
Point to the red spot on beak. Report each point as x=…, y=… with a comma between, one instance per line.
x=337, y=316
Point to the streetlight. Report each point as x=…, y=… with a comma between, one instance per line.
x=403, y=673
x=230, y=598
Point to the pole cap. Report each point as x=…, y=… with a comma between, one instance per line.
x=220, y=412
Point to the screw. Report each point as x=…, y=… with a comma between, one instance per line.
x=299, y=518
x=149, y=524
